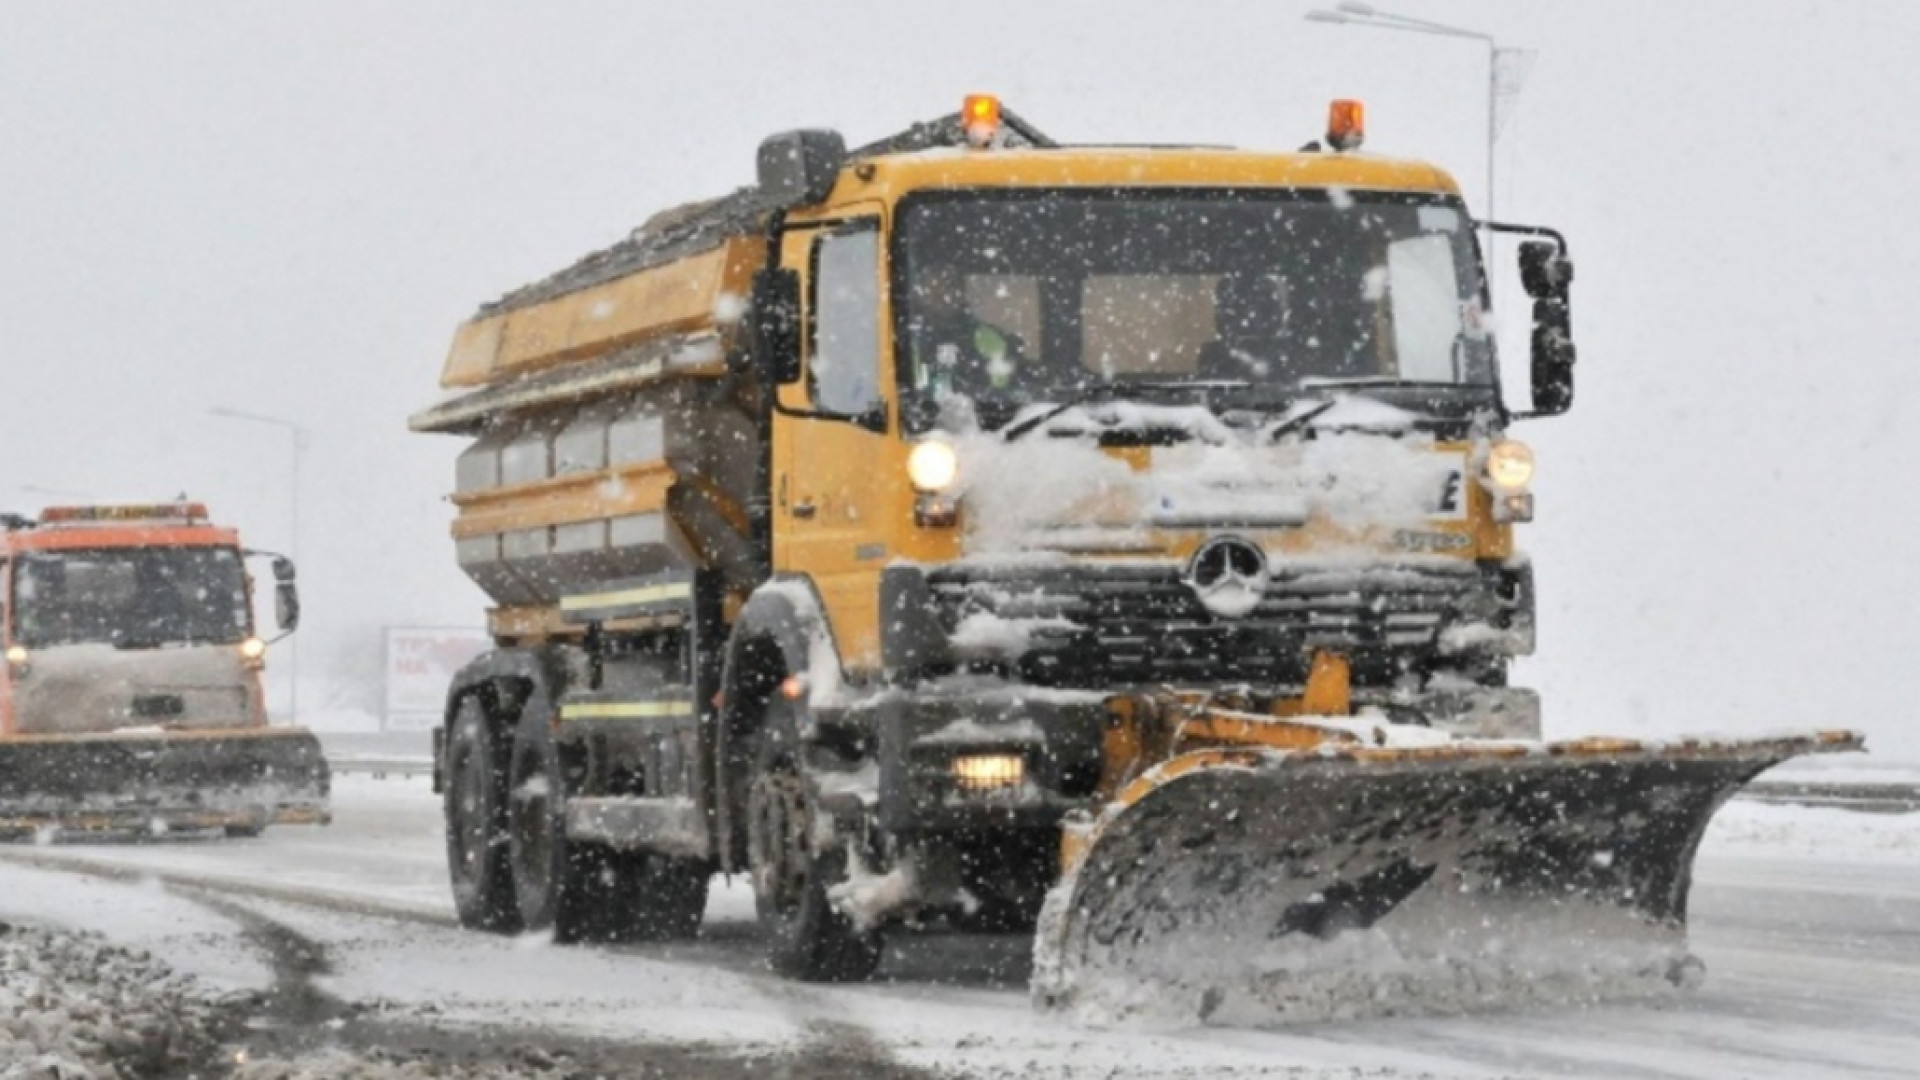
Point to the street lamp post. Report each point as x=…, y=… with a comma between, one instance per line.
x=1350, y=13
x=299, y=437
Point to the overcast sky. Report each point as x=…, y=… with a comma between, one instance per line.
x=287, y=210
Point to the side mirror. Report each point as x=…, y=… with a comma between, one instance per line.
x=286, y=596
x=1547, y=274
x=797, y=168
x=1545, y=270
x=775, y=311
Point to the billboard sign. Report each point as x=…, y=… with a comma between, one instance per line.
x=421, y=663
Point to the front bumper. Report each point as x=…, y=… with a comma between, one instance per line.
x=178, y=780
x=1058, y=737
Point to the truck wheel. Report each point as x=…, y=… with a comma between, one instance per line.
x=557, y=885
x=810, y=939
x=476, y=823
x=650, y=897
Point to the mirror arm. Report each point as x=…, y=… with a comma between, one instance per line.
x=1559, y=240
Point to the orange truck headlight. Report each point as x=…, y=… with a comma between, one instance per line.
x=932, y=466
x=1510, y=466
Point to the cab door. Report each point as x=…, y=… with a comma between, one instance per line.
x=836, y=468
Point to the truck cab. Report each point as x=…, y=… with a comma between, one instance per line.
x=1101, y=417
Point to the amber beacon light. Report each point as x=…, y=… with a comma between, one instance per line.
x=980, y=116
x=1346, y=124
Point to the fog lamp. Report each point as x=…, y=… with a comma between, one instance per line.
x=989, y=772
x=936, y=511
x=1515, y=507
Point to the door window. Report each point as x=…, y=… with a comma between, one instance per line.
x=845, y=374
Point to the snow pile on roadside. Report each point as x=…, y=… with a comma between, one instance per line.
x=74, y=1007
x=1749, y=828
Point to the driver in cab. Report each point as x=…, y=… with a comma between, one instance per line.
x=954, y=350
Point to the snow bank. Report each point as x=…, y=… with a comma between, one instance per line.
x=73, y=1007
x=1759, y=829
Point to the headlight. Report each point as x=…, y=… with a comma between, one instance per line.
x=1510, y=465
x=253, y=648
x=17, y=655
x=933, y=466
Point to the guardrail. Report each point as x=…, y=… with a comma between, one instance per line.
x=1866, y=797
x=381, y=766
x=1869, y=797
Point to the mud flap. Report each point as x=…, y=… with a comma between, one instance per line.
x=186, y=780
x=1254, y=887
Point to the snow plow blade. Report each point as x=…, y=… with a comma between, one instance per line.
x=1252, y=887
x=178, y=780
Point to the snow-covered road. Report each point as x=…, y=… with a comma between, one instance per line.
x=1809, y=921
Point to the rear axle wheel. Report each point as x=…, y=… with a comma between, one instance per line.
x=475, y=806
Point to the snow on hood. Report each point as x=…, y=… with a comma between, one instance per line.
x=1031, y=492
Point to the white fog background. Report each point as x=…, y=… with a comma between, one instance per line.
x=287, y=210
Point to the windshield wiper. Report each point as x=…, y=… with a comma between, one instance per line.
x=1300, y=419
x=1115, y=392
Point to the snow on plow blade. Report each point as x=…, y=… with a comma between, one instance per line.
x=1253, y=887
x=243, y=780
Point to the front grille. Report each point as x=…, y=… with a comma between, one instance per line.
x=1110, y=625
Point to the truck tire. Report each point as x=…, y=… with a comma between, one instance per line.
x=476, y=816
x=558, y=885
x=809, y=939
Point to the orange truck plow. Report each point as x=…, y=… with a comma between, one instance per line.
x=130, y=696
x=1250, y=868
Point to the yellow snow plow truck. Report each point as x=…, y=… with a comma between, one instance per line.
x=131, y=693
x=968, y=531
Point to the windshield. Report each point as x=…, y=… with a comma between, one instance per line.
x=1016, y=298
x=130, y=597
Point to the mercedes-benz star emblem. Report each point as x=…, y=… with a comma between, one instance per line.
x=1229, y=575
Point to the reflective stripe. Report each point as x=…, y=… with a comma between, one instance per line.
x=678, y=590
x=623, y=710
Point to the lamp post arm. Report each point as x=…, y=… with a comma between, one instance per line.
x=1408, y=22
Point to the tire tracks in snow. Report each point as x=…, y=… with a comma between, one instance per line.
x=298, y=1018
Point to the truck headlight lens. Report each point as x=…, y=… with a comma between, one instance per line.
x=1510, y=465
x=933, y=466
x=17, y=655
x=989, y=772
x=253, y=648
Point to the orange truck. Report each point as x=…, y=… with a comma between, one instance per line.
x=131, y=693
